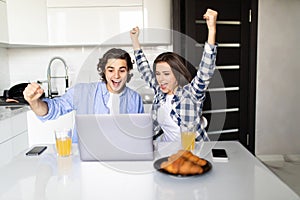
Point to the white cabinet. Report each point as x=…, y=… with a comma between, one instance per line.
x=3, y=23
x=92, y=25
x=27, y=22
x=43, y=132
x=19, y=139
x=5, y=126
x=157, y=21
x=13, y=136
x=6, y=153
x=89, y=3
x=81, y=22
x=96, y=22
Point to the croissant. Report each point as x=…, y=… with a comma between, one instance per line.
x=183, y=163
x=191, y=157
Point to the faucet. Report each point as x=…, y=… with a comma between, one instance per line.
x=49, y=77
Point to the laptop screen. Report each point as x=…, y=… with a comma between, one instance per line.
x=106, y=137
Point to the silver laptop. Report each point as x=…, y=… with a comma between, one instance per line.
x=119, y=137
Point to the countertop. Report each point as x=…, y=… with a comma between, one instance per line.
x=50, y=177
x=7, y=112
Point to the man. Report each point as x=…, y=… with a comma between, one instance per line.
x=108, y=96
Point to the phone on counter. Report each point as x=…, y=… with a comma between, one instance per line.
x=35, y=151
x=219, y=155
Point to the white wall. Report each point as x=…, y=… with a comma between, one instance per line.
x=4, y=70
x=278, y=69
x=30, y=64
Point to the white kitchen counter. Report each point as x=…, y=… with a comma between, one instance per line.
x=7, y=112
x=48, y=177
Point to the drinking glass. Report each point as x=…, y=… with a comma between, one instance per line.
x=63, y=140
x=188, y=136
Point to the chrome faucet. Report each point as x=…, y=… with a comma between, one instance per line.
x=49, y=77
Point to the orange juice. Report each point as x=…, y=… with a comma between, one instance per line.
x=63, y=146
x=188, y=140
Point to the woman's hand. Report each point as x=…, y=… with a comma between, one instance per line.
x=211, y=20
x=134, y=35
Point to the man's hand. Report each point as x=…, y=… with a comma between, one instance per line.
x=32, y=92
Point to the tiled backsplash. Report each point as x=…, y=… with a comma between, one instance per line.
x=30, y=64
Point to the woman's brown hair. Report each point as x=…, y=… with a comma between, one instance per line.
x=183, y=70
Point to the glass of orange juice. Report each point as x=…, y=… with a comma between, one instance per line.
x=188, y=136
x=63, y=140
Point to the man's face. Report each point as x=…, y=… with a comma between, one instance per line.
x=116, y=72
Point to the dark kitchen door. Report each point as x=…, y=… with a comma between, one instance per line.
x=234, y=118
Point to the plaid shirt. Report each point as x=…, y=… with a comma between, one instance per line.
x=188, y=101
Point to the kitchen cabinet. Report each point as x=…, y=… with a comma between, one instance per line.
x=3, y=23
x=80, y=22
x=13, y=137
x=77, y=22
x=27, y=22
x=92, y=25
x=43, y=132
x=84, y=3
x=157, y=22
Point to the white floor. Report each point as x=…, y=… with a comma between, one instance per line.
x=287, y=169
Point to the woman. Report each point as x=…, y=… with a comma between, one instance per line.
x=179, y=94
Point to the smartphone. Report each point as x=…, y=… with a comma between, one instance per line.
x=219, y=155
x=35, y=151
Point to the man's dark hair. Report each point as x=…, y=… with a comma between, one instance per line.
x=113, y=54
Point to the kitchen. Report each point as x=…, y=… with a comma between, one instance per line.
x=21, y=62
x=77, y=50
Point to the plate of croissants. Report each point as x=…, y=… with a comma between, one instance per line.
x=182, y=164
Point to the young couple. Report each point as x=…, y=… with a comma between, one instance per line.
x=175, y=101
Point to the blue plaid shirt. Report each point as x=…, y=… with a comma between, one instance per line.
x=188, y=101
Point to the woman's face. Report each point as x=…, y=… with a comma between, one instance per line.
x=116, y=72
x=165, y=78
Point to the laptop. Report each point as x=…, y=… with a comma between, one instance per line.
x=121, y=137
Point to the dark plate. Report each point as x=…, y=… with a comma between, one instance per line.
x=158, y=162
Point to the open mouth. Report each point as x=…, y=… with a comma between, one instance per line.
x=163, y=86
x=116, y=83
